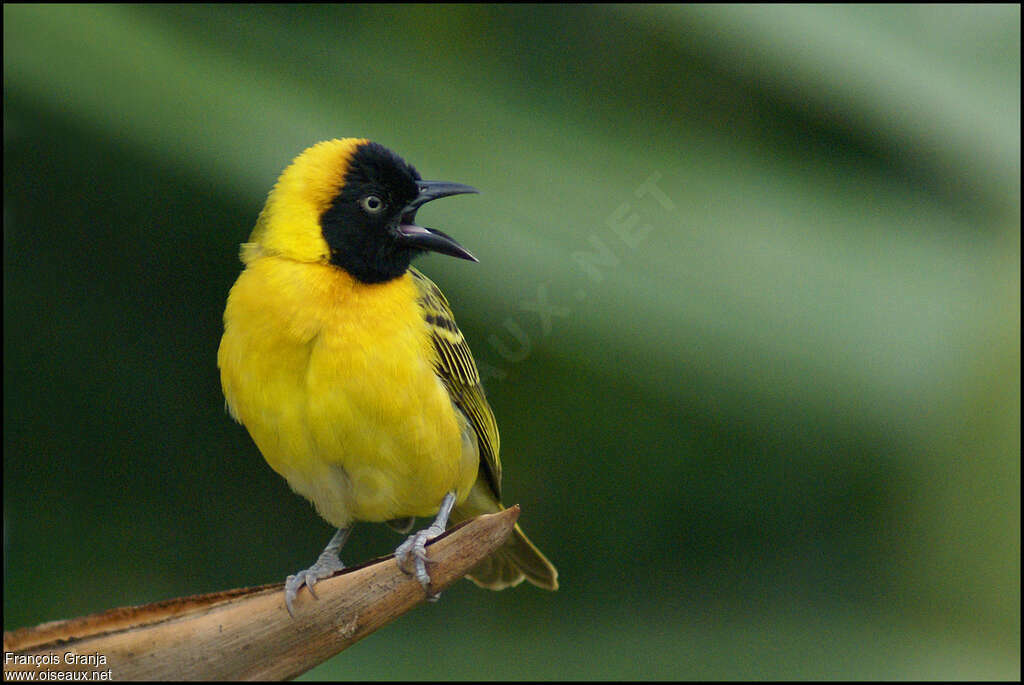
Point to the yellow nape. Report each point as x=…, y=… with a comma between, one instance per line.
x=289, y=225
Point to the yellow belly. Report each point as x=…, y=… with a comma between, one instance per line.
x=334, y=380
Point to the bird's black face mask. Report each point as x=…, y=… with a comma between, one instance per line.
x=371, y=225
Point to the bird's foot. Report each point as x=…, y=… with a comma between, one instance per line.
x=416, y=547
x=326, y=565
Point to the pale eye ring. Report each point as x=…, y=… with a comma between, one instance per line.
x=372, y=204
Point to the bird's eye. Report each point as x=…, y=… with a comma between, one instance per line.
x=372, y=204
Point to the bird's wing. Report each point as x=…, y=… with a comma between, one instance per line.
x=457, y=370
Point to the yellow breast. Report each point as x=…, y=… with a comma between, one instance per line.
x=334, y=380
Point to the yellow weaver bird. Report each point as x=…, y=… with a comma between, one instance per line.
x=347, y=368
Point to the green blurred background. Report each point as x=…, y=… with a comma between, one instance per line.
x=769, y=429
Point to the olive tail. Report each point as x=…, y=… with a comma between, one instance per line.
x=515, y=561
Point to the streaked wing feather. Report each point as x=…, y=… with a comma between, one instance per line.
x=458, y=372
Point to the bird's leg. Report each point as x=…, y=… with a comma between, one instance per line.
x=326, y=565
x=415, y=545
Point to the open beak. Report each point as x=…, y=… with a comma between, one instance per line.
x=430, y=239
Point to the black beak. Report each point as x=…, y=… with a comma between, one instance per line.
x=430, y=239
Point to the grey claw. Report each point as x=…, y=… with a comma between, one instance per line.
x=416, y=546
x=325, y=567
